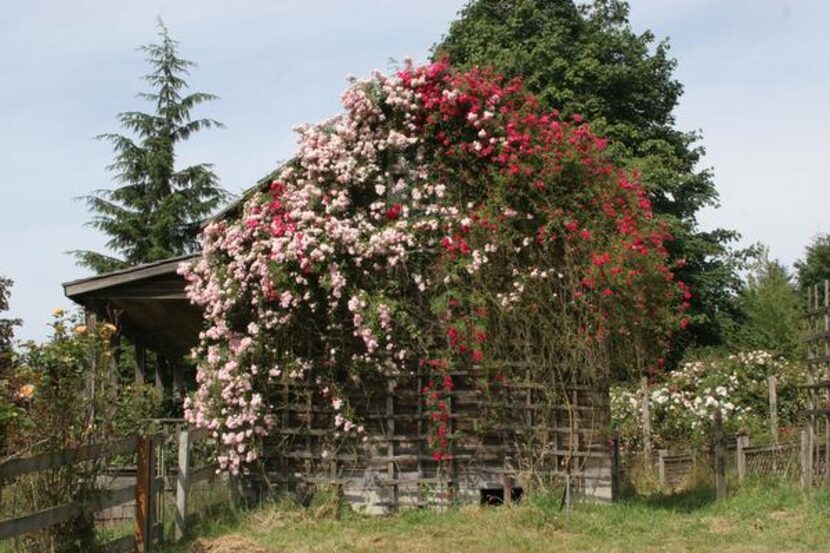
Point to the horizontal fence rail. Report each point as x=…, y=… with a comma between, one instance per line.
x=144, y=497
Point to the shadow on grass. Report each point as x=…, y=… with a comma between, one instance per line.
x=684, y=501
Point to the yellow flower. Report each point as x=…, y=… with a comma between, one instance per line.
x=26, y=391
x=109, y=328
x=80, y=329
x=58, y=312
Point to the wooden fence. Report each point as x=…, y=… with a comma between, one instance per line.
x=146, y=494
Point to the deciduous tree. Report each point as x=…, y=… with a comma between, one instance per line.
x=587, y=60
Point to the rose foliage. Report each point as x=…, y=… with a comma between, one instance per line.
x=443, y=222
x=683, y=402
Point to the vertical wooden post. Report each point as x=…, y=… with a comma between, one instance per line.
x=390, y=442
x=741, y=444
x=811, y=425
x=616, y=476
x=144, y=495
x=826, y=354
x=661, y=466
x=507, y=486
x=452, y=482
x=140, y=365
x=160, y=375
x=806, y=459
x=568, y=496
x=772, y=383
x=720, y=460
x=176, y=370
x=182, y=484
x=646, y=418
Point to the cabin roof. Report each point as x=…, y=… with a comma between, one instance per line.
x=147, y=302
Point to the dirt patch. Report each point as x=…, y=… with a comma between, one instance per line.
x=226, y=544
x=720, y=525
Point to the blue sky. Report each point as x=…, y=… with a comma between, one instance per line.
x=755, y=73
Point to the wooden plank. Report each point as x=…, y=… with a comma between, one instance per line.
x=182, y=484
x=37, y=521
x=720, y=461
x=55, y=459
x=144, y=508
x=742, y=444
x=57, y=515
x=772, y=385
x=83, y=286
x=645, y=416
x=125, y=544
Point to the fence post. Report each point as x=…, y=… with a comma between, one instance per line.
x=508, y=489
x=772, y=382
x=720, y=461
x=806, y=459
x=741, y=444
x=661, y=466
x=182, y=483
x=616, y=476
x=646, y=418
x=144, y=495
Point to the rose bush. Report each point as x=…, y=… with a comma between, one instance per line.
x=443, y=221
x=682, y=404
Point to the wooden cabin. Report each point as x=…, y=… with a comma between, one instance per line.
x=504, y=442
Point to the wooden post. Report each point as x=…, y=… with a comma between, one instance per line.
x=507, y=485
x=661, y=466
x=720, y=460
x=646, y=418
x=568, y=497
x=826, y=354
x=390, y=443
x=182, y=484
x=144, y=495
x=176, y=370
x=806, y=459
x=772, y=383
x=616, y=477
x=140, y=365
x=741, y=444
x=811, y=426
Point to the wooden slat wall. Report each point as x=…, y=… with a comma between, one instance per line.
x=394, y=467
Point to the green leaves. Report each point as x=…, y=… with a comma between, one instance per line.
x=586, y=59
x=156, y=211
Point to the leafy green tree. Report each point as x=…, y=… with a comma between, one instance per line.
x=586, y=60
x=771, y=307
x=155, y=211
x=814, y=269
x=6, y=326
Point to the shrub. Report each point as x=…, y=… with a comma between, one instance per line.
x=683, y=402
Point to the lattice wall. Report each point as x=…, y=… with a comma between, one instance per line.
x=818, y=385
x=514, y=431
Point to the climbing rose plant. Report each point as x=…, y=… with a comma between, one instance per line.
x=437, y=205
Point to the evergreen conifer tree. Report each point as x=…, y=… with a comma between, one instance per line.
x=155, y=211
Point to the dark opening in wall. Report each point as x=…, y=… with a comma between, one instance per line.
x=495, y=496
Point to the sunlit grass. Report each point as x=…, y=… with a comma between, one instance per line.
x=756, y=518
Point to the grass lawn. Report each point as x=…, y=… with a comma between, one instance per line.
x=756, y=518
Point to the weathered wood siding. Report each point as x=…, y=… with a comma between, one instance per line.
x=511, y=430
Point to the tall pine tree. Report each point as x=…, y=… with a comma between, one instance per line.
x=585, y=59
x=155, y=211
